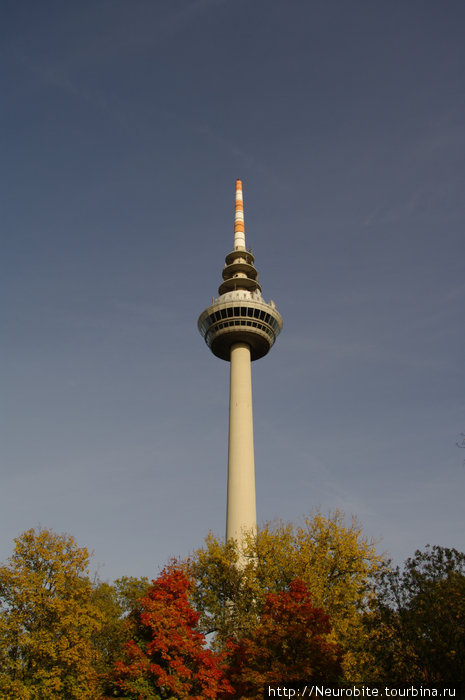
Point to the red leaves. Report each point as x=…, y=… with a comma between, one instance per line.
x=167, y=654
x=290, y=644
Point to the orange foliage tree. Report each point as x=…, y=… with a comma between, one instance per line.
x=166, y=656
x=289, y=645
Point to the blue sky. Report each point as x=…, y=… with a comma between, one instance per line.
x=124, y=126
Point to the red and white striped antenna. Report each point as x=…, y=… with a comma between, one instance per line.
x=239, y=231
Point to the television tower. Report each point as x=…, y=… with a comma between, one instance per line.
x=240, y=326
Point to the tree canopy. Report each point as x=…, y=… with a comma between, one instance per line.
x=332, y=558
x=290, y=643
x=415, y=629
x=47, y=620
x=311, y=601
x=166, y=656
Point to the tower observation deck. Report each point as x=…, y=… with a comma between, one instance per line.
x=240, y=326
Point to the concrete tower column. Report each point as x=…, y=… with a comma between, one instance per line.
x=241, y=507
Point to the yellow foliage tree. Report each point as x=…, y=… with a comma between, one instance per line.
x=333, y=558
x=47, y=620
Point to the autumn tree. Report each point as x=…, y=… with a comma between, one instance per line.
x=290, y=643
x=129, y=590
x=114, y=601
x=331, y=557
x=47, y=620
x=166, y=656
x=415, y=630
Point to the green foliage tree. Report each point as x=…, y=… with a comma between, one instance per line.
x=114, y=601
x=166, y=656
x=129, y=590
x=289, y=644
x=415, y=630
x=47, y=620
x=333, y=559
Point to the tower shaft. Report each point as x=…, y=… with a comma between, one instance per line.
x=241, y=507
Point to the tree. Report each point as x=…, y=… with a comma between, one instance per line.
x=115, y=602
x=129, y=590
x=47, y=620
x=166, y=656
x=333, y=559
x=415, y=630
x=290, y=644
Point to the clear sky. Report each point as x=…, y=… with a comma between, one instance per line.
x=124, y=126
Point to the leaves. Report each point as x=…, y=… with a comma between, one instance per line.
x=47, y=619
x=415, y=630
x=62, y=637
x=114, y=603
x=290, y=643
x=166, y=656
x=332, y=558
